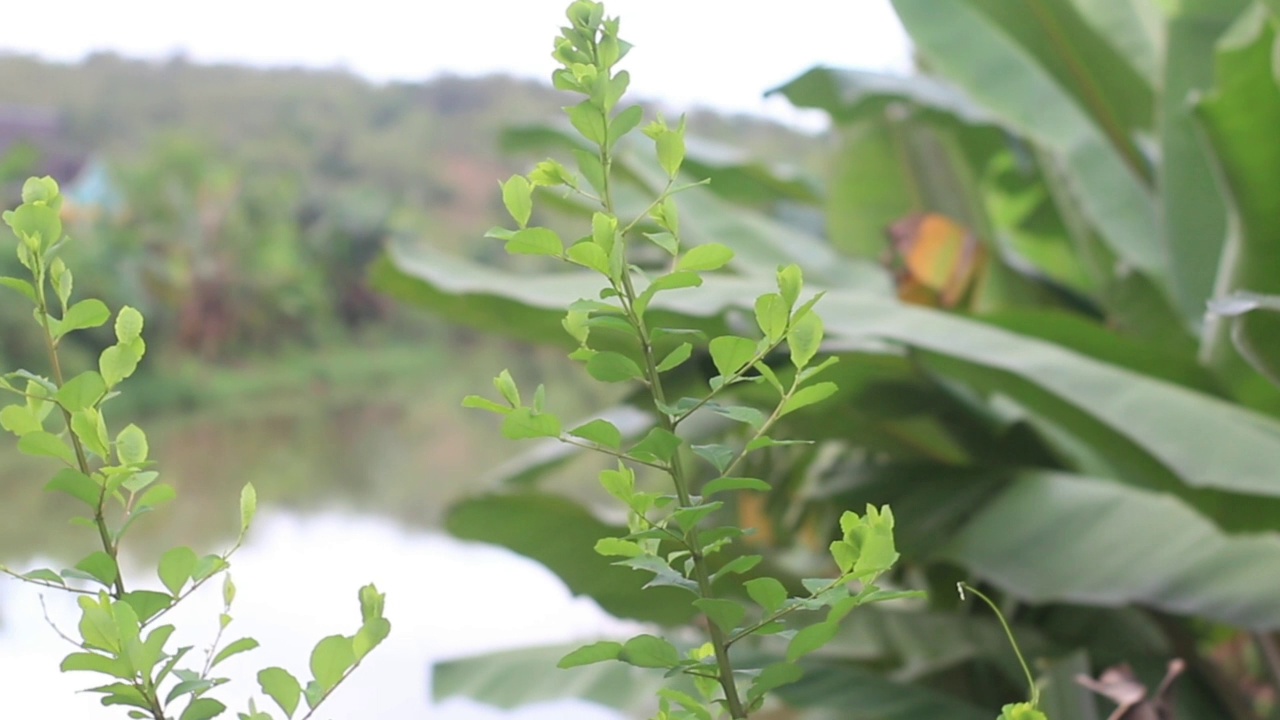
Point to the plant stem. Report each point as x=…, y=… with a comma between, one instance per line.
x=82, y=459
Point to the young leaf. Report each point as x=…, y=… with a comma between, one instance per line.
x=483, y=403
x=506, y=387
x=623, y=123
x=718, y=455
x=658, y=444
x=248, y=506
x=77, y=485
x=23, y=287
x=767, y=592
x=588, y=120
x=726, y=614
x=117, y=363
x=600, y=432
x=613, y=367
x=128, y=325
x=281, y=687
x=711, y=256
x=46, y=444
x=19, y=420
x=617, y=547
x=81, y=391
x=666, y=241
x=85, y=314
x=239, y=646
x=517, y=196
x=100, y=567
x=804, y=339
x=330, y=660
x=535, y=241
x=131, y=446
x=809, y=395
x=648, y=651
x=524, y=424
x=772, y=315
x=773, y=677
x=590, y=255
x=88, y=426
x=810, y=639
x=730, y=353
x=593, y=653
x=676, y=357
x=369, y=636
x=733, y=484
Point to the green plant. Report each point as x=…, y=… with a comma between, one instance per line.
x=1070, y=431
x=63, y=418
x=620, y=340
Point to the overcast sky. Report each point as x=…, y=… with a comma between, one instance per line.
x=721, y=53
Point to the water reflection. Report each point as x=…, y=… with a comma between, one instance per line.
x=297, y=580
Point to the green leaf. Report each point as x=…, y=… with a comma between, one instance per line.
x=810, y=638
x=128, y=325
x=711, y=256
x=239, y=646
x=535, y=241
x=248, y=506
x=82, y=391
x=21, y=286
x=659, y=444
x=737, y=566
x=730, y=353
x=202, y=709
x=176, y=566
x=45, y=574
x=718, y=455
x=676, y=357
x=131, y=446
x=155, y=496
x=649, y=651
x=588, y=120
x=590, y=255
x=767, y=592
x=76, y=484
x=804, y=339
x=517, y=196
x=772, y=316
x=617, y=547
x=739, y=413
x=524, y=424
x=613, y=367
x=589, y=654
x=601, y=432
x=773, y=677
x=369, y=636
x=670, y=144
x=85, y=314
x=89, y=427
x=735, y=484
x=1020, y=711
x=281, y=687
x=666, y=241
x=117, y=363
x=331, y=659
x=207, y=566
x=482, y=403
x=726, y=614
x=46, y=444
x=147, y=603
x=807, y=396
x=19, y=420
x=93, y=662
x=100, y=567
x=623, y=123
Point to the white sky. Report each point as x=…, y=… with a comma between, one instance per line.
x=719, y=53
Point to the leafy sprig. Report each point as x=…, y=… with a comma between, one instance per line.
x=63, y=419
x=670, y=535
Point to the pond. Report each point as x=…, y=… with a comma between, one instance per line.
x=352, y=490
